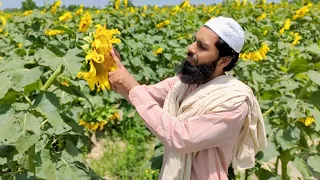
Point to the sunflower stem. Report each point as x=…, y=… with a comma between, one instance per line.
x=277, y=164
x=31, y=162
x=285, y=158
x=56, y=73
x=304, y=89
x=43, y=123
x=268, y=111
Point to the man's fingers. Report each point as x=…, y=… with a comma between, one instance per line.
x=112, y=73
x=116, y=59
x=115, y=79
x=117, y=53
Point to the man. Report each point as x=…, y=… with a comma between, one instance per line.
x=205, y=118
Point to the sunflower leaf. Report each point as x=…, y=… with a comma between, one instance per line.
x=70, y=60
x=314, y=76
x=313, y=161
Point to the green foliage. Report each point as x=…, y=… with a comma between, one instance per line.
x=127, y=152
x=28, y=5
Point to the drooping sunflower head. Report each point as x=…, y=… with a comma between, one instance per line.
x=105, y=39
x=99, y=57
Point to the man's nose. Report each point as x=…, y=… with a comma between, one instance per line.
x=191, y=49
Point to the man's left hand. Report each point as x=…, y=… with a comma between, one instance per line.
x=121, y=80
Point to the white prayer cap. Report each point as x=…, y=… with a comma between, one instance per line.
x=228, y=30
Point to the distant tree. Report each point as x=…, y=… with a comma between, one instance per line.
x=130, y=3
x=28, y=5
x=72, y=7
x=10, y=10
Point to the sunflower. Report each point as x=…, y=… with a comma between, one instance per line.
x=65, y=17
x=85, y=22
x=307, y=121
x=99, y=57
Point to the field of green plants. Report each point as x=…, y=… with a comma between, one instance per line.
x=54, y=126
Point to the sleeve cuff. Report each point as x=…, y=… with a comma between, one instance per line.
x=139, y=95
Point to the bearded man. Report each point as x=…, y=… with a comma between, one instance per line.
x=205, y=118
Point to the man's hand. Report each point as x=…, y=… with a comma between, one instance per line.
x=121, y=80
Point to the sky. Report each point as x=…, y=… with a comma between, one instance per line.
x=102, y=3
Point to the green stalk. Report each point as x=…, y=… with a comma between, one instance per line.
x=277, y=164
x=11, y=162
x=268, y=111
x=28, y=100
x=285, y=158
x=304, y=89
x=56, y=73
x=259, y=84
x=246, y=174
x=31, y=155
x=43, y=123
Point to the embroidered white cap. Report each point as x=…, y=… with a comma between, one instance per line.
x=228, y=30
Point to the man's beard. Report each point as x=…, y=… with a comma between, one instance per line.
x=196, y=74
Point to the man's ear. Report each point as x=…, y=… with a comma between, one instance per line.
x=225, y=61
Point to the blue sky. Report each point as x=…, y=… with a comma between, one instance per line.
x=102, y=3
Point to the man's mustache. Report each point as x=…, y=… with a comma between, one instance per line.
x=192, y=58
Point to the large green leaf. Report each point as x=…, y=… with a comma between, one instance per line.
x=316, y=114
x=136, y=61
x=5, y=84
x=23, y=77
x=46, y=169
x=25, y=141
x=299, y=65
x=287, y=138
x=73, y=151
x=32, y=123
x=258, y=77
x=256, y=32
x=6, y=121
x=45, y=57
x=302, y=167
x=314, y=76
x=292, y=133
x=11, y=128
x=270, y=152
x=7, y=101
x=313, y=161
x=68, y=171
x=14, y=63
x=315, y=98
x=317, y=65
x=314, y=48
x=19, y=175
x=31, y=87
x=148, y=72
x=296, y=113
x=265, y=174
x=70, y=60
x=48, y=104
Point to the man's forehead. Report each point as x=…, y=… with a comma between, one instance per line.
x=206, y=34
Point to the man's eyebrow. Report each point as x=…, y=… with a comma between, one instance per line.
x=200, y=40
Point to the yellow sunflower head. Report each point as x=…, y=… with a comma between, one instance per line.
x=98, y=50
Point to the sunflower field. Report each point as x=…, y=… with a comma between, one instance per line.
x=59, y=119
